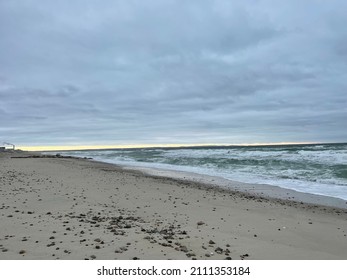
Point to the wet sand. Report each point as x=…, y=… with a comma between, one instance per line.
x=67, y=208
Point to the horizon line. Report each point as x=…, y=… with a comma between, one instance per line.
x=139, y=146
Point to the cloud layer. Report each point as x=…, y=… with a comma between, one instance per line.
x=135, y=72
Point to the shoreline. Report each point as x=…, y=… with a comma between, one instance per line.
x=75, y=208
x=267, y=189
x=261, y=190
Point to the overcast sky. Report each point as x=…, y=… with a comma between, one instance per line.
x=86, y=72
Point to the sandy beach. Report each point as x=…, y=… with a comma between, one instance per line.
x=68, y=208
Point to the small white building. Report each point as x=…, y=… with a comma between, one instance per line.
x=7, y=146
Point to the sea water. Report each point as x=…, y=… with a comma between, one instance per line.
x=316, y=169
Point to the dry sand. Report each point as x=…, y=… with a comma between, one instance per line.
x=66, y=208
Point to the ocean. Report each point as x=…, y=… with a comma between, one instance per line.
x=316, y=169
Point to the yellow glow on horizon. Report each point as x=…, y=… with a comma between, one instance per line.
x=95, y=147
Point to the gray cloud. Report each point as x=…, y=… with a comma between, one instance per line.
x=119, y=72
